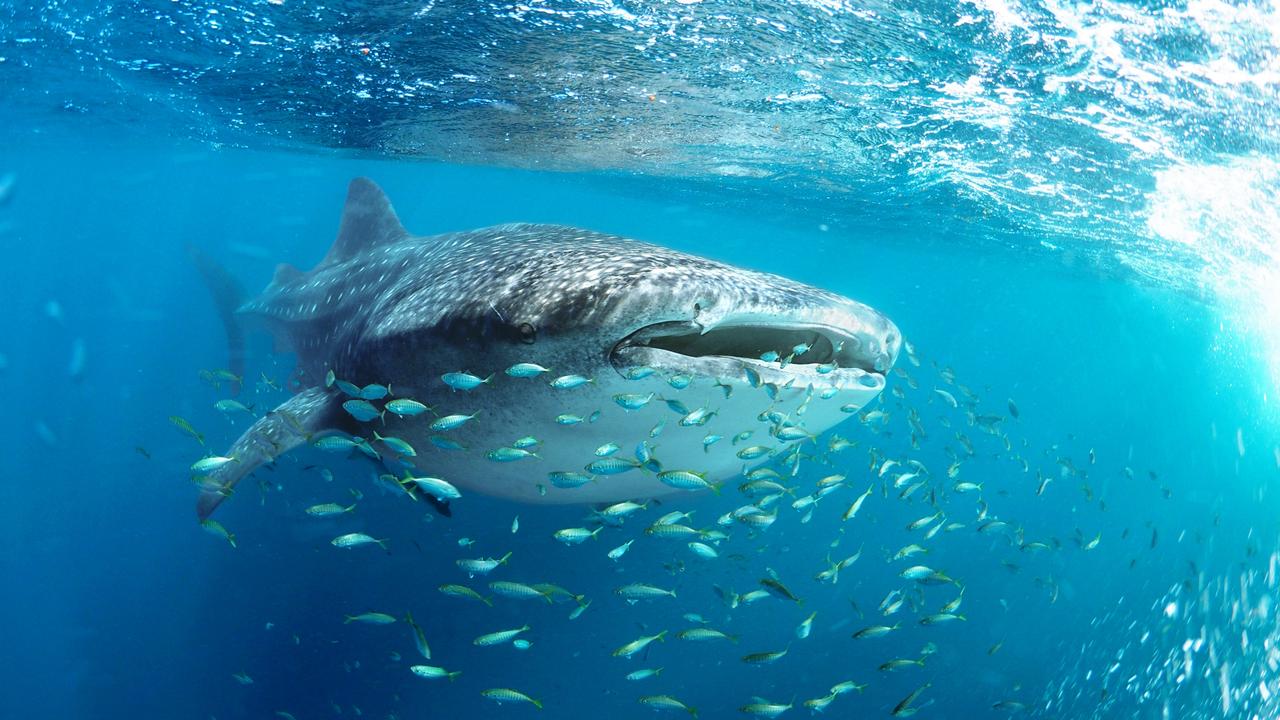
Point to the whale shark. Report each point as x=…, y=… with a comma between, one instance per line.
x=595, y=368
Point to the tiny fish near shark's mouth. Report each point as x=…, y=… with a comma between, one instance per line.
x=830, y=356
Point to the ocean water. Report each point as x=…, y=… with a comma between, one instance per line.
x=1066, y=208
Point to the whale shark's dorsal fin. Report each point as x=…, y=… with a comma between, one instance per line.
x=285, y=274
x=368, y=221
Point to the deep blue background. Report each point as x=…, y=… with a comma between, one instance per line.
x=116, y=604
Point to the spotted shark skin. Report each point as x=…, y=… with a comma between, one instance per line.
x=389, y=307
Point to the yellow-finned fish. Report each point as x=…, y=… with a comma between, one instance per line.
x=373, y=618
x=351, y=540
x=666, y=702
x=214, y=527
x=499, y=637
x=637, y=645
x=759, y=707
x=501, y=695
x=857, y=504
x=432, y=672
x=419, y=638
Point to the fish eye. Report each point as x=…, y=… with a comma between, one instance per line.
x=528, y=333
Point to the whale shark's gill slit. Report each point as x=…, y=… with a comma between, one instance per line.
x=753, y=340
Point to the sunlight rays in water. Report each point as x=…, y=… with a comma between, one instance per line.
x=1226, y=215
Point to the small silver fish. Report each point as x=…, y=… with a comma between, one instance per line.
x=329, y=509
x=463, y=380
x=525, y=370
x=207, y=465
x=229, y=406
x=361, y=410
x=406, y=407
x=611, y=466
x=640, y=591
x=372, y=618
x=437, y=488
x=574, y=536
x=431, y=672
x=499, y=637
x=621, y=550
x=398, y=446
x=509, y=454
x=568, y=480
x=449, y=422
x=632, y=401
x=351, y=540
x=481, y=566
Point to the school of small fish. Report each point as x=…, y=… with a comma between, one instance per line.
x=888, y=511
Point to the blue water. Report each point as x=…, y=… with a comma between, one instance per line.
x=1129, y=313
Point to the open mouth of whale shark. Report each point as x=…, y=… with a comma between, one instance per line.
x=833, y=357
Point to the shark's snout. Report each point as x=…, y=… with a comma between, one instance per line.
x=882, y=338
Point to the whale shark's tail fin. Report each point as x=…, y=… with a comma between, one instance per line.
x=302, y=418
x=228, y=295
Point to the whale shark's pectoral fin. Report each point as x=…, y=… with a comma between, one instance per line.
x=304, y=417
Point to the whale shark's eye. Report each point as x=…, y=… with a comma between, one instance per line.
x=528, y=334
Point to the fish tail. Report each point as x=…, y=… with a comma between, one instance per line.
x=349, y=619
x=228, y=296
x=486, y=601
x=454, y=675
x=536, y=703
x=693, y=711
x=382, y=543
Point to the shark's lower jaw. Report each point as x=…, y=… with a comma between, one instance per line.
x=833, y=358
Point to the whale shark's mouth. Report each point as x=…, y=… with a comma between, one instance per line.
x=826, y=355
